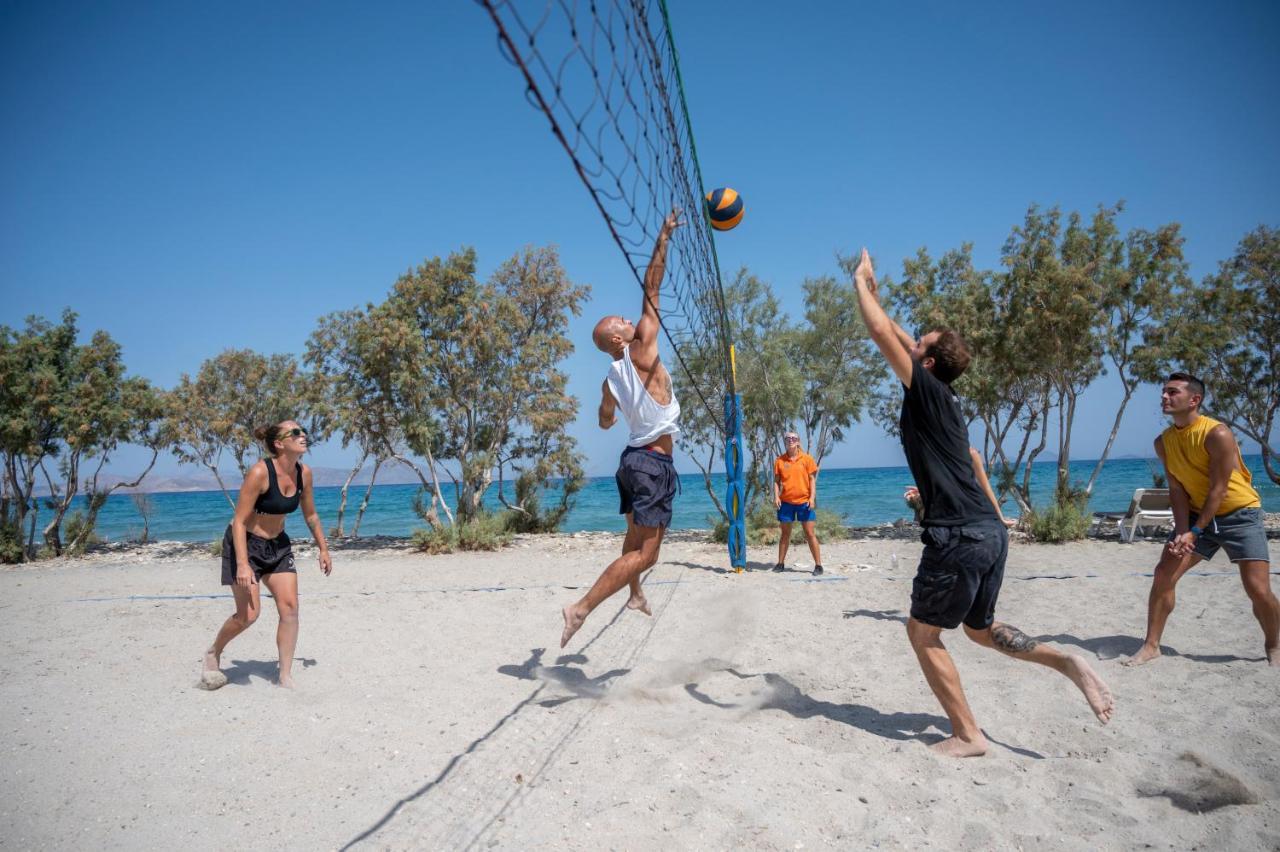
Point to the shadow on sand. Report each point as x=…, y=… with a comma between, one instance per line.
x=241, y=671
x=1111, y=647
x=562, y=674
x=785, y=696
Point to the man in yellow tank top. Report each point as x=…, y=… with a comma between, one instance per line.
x=1214, y=506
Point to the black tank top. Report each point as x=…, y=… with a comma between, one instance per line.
x=273, y=502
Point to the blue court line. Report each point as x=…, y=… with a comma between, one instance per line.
x=806, y=579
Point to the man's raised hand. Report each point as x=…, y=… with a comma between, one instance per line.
x=865, y=274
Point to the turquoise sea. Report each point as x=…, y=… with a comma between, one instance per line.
x=865, y=496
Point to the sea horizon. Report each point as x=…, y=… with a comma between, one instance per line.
x=864, y=496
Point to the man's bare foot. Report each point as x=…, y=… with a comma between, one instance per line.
x=1273, y=657
x=572, y=621
x=285, y=680
x=212, y=661
x=637, y=602
x=1145, y=655
x=1094, y=689
x=956, y=747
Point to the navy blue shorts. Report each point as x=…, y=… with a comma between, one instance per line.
x=960, y=574
x=646, y=486
x=790, y=513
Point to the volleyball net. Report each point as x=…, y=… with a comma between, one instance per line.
x=607, y=77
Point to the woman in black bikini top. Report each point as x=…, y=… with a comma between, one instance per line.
x=256, y=549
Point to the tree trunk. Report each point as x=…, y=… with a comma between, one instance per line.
x=53, y=532
x=364, y=504
x=1115, y=430
x=434, y=485
x=95, y=506
x=1044, y=439
x=342, y=500
x=214, y=467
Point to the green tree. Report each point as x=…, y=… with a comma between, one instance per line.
x=1226, y=331
x=478, y=365
x=342, y=351
x=839, y=366
x=34, y=365
x=770, y=384
x=97, y=409
x=233, y=393
x=1138, y=284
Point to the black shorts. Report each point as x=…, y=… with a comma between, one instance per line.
x=647, y=486
x=960, y=574
x=266, y=555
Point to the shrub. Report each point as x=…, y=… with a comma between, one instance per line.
x=215, y=547
x=485, y=532
x=1061, y=522
x=433, y=539
x=10, y=542
x=75, y=527
x=763, y=528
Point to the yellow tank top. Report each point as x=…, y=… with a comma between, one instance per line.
x=1187, y=461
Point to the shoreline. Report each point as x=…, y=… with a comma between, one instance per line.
x=901, y=530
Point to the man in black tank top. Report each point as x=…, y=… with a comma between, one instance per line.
x=965, y=544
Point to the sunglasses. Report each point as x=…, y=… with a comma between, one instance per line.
x=792, y=440
x=295, y=432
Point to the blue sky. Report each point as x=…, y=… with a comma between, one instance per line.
x=194, y=177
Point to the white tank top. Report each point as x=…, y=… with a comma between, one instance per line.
x=645, y=417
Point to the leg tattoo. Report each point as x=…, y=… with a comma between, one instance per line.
x=1011, y=639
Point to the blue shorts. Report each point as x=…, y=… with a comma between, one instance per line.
x=647, y=484
x=791, y=513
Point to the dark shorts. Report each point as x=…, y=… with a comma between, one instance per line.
x=266, y=555
x=1240, y=533
x=790, y=513
x=960, y=574
x=646, y=486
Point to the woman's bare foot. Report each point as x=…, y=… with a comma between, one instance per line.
x=285, y=680
x=1273, y=657
x=212, y=661
x=1145, y=655
x=640, y=603
x=1094, y=688
x=572, y=621
x=956, y=747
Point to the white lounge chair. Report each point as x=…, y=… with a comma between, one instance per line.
x=1149, y=507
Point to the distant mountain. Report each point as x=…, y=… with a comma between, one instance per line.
x=391, y=473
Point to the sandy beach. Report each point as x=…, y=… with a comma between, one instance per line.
x=435, y=710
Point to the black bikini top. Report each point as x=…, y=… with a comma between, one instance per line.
x=273, y=502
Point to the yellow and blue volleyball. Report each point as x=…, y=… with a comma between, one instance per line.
x=724, y=206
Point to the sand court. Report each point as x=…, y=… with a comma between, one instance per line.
x=434, y=709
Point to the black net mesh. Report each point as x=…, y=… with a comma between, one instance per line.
x=606, y=76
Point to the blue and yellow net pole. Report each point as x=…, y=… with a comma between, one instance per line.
x=735, y=485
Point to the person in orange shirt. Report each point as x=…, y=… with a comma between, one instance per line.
x=795, y=496
x=1214, y=506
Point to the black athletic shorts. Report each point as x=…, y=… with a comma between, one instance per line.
x=647, y=486
x=960, y=574
x=266, y=555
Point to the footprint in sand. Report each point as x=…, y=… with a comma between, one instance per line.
x=1198, y=786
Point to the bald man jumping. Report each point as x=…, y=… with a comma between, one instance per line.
x=640, y=386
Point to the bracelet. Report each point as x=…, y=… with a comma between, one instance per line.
x=1199, y=532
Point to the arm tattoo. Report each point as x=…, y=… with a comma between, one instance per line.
x=1009, y=638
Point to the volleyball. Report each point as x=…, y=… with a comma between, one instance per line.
x=724, y=206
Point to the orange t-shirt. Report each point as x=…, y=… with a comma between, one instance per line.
x=792, y=476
